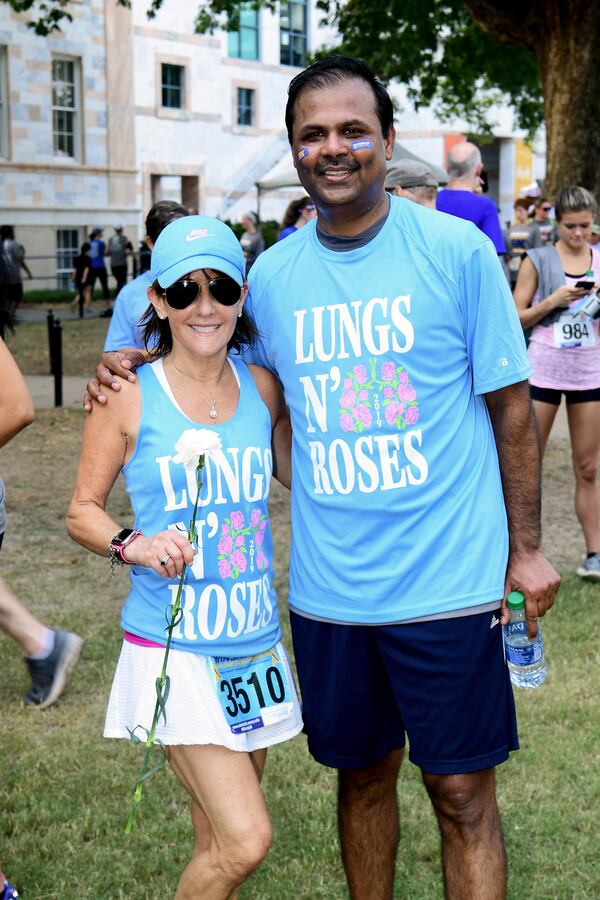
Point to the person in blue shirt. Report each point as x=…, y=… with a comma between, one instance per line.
x=231, y=689
x=97, y=253
x=126, y=328
x=460, y=197
x=415, y=498
x=298, y=213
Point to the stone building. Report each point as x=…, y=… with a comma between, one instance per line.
x=116, y=111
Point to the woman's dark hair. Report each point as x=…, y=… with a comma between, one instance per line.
x=574, y=199
x=158, y=339
x=293, y=211
x=336, y=68
x=85, y=247
x=7, y=233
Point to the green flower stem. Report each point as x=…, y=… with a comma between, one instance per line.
x=162, y=682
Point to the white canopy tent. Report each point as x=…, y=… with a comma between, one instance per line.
x=284, y=175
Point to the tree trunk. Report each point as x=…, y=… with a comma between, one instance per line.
x=564, y=37
x=569, y=66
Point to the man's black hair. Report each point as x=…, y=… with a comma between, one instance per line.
x=160, y=215
x=328, y=71
x=7, y=233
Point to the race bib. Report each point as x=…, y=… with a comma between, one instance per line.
x=253, y=691
x=571, y=331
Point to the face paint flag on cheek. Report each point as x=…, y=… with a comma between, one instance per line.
x=361, y=145
x=302, y=152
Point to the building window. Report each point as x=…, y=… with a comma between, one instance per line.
x=65, y=107
x=245, y=106
x=292, y=33
x=67, y=248
x=243, y=43
x=172, y=80
x=3, y=103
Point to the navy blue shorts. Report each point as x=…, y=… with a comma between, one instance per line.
x=442, y=683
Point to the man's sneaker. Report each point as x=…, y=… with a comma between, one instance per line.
x=7, y=891
x=590, y=568
x=49, y=676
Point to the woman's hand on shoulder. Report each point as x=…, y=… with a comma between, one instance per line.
x=165, y=552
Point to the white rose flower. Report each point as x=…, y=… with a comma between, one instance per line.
x=194, y=443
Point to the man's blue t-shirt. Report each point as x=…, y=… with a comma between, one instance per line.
x=384, y=353
x=475, y=208
x=131, y=304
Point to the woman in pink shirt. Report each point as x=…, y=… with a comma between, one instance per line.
x=553, y=287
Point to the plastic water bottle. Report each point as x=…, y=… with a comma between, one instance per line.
x=525, y=658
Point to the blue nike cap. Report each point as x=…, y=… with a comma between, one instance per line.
x=196, y=242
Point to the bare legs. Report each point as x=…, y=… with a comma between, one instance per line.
x=465, y=806
x=232, y=828
x=369, y=828
x=19, y=624
x=473, y=854
x=584, y=429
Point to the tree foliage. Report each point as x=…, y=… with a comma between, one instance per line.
x=432, y=46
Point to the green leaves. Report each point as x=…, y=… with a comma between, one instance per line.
x=445, y=60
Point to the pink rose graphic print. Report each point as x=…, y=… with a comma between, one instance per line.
x=235, y=556
x=386, y=390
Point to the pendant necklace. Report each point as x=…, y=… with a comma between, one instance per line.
x=213, y=411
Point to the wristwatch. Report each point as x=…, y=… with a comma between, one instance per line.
x=117, y=546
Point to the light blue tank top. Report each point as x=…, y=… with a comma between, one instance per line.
x=228, y=601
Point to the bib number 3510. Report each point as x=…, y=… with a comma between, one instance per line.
x=252, y=691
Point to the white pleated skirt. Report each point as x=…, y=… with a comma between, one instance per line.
x=194, y=715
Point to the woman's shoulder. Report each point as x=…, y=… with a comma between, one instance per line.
x=123, y=405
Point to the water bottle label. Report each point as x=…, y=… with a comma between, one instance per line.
x=524, y=656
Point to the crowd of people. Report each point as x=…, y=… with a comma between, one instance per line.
x=426, y=462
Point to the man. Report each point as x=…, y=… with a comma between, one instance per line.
x=595, y=238
x=414, y=180
x=13, y=261
x=119, y=247
x=398, y=389
x=125, y=329
x=460, y=197
x=541, y=217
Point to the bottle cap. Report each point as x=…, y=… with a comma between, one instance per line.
x=515, y=600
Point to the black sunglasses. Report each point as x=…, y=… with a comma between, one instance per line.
x=223, y=289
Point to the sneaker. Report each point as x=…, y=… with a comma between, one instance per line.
x=8, y=891
x=49, y=676
x=590, y=568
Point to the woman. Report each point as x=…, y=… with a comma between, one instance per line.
x=229, y=606
x=564, y=349
x=49, y=654
x=252, y=240
x=522, y=235
x=298, y=213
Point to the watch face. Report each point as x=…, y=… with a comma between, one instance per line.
x=122, y=536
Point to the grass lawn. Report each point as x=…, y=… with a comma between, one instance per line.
x=82, y=342
x=65, y=791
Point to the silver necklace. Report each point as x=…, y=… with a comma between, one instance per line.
x=213, y=411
